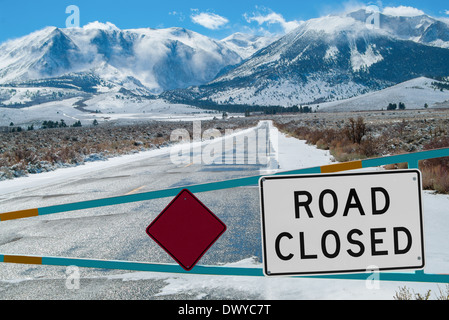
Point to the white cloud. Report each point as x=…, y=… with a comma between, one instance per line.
x=272, y=18
x=403, y=11
x=446, y=12
x=209, y=20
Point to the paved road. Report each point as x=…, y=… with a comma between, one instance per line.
x=118, y=232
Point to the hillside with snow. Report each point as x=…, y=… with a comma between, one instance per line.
x=415, y=94
x=333, y=58
x=247, y=44
x=159, y=59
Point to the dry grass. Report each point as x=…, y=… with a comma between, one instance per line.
x=345, y=144
x=406, y=293
x=436, y=171
x=436, y=178
x=36, y=151
x=356, y=140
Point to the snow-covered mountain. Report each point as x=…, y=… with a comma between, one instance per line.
x=332, y=58
x=247, y=44
x=326, y=59
x=158, y=59
x=41, y=54
x=422, y=28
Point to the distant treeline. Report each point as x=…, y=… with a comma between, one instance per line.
x=245, y=108
x=441, y=85
x=59, y=124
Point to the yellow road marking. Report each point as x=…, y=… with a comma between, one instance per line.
x=188, y=165
x=135, y=190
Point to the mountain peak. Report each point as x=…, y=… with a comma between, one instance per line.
x=332, y=23
x=327, y=58
x=247, y=44
x=334, y=57
x=408, y=24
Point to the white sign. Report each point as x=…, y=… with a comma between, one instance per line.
x=342, y=223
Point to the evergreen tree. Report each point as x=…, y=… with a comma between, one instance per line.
x=392, y=106
x=77, y=124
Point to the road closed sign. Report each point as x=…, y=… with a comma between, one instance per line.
x=342, y=223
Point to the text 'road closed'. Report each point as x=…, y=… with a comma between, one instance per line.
x=315, y=224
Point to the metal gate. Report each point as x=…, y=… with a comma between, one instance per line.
x=412, y=159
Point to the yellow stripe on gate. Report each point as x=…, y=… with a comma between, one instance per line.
x=19, y=214
x=341, y=167
x=22, y=260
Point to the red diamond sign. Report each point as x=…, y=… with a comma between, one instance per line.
x=186, y=229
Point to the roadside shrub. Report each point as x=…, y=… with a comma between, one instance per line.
x=436, y=178
x=436, y=171
x=353, y=139
x=405, y=293
x=355, y=129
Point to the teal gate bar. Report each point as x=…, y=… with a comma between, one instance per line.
x=411, y=158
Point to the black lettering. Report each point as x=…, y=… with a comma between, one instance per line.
x=302, y=248
x=375, y=241
x=353, y=195
x=304, y=204
x=277, y=246
x=396, y=240
x=377, y=211
x=321, y=203
x=356, y=242
x=337, y=244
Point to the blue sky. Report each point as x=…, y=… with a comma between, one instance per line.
x=217, y=19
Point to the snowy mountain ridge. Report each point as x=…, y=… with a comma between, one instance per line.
x=333, y=58
x=325, y=59
x=160, y=59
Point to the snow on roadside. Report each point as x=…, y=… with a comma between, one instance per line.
x=296, y=154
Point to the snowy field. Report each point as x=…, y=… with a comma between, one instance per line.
x=414, y=94
x=106, y=107
x=292, y=154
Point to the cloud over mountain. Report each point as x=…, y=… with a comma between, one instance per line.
x=209, y=20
